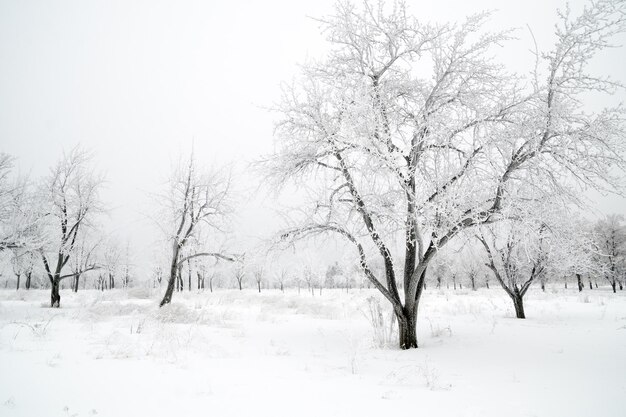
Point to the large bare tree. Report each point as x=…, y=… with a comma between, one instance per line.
x=412, y=132
x=71, y=201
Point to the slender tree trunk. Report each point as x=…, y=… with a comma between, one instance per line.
x=174, y=275
x=621, y=287
x=211, y=285
x=590, y=286
x=579, y=281
x=27, y=283
x=189, y=273
x=518, y=302
x=613, y=285
x=76, y=281
x=543, y=286
x=281, y=287
x=240, y=286
x=258, y=284
x=55, y=297
x=18, y=281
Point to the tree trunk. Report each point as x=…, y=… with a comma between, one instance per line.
x=590, y=286
x=55, y=297
x=543, y=286
x=27, y=283
x=518, y=302
x=613, y=285
x=240, y=286
x=18, y=281
x=76, y=281
x=621, y=287
x=407, y=330
x=579, y=281
x=211, y=285
x=189, y=274
x=258, y=284
x=174, y=275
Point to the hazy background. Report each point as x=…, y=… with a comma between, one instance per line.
x=137, y=82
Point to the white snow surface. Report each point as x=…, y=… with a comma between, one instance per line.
x=240, y=353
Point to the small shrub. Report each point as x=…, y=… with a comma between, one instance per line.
x=383, y=323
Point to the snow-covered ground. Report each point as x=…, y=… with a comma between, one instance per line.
x=235, y=353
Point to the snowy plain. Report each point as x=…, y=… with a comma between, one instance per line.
x=240, y=353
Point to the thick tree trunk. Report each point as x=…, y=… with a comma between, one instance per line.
x=55, y=297
x=518, y=302
x=407, y=330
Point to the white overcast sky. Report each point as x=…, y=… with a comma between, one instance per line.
x=137, y=81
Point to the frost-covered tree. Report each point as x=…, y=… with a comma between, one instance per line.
x=70, y=201
x=610, y=243
x=83, y=259
x=412, y=131
x=518, y=255
x=20, y=219
x=240, y=273
x=195, y=200
x=112, y=257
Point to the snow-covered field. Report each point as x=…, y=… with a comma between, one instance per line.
x=235, y=353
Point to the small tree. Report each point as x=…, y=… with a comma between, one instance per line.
x=71, y=201
x=281, y=278
x=258, y=277
x=195, y=200
x=82, y=260
x=20, y=221
x=240, y=274
x=610, y=243
x=517, y=254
